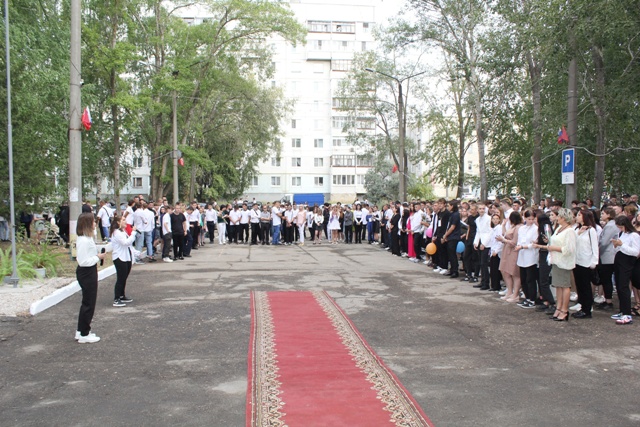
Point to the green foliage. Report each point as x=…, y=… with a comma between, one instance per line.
x=24, y=267
x=381, y=183
x=44, y=257
x=421, y=189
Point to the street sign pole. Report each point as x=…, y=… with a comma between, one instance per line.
x=568, y=170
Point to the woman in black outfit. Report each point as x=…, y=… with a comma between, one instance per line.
x=546, y=302
x=393, y=229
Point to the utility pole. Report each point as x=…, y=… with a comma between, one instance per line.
x=75, y=131
x=175, y=147
x=571, y=191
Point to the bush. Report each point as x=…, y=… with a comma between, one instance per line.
x=24, y=267
x=43, y=257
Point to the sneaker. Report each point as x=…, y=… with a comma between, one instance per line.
x=126, y=299
x=576, y=307
x=152, y=259
x=118, y=303
x=425, y=263
x=523, y=303
x=617, y=316
x=599, y=299
x=139, y=261
x=167, y=260
x=502, y=293
x=529, y=304
x=443, y=272
x=437, y=270
x=403, y=255
x=412, y=259
x=604, y=306
x=542, y=308
x=625, y=320
x=77, y=335
x=573, y=297
x=89, y=339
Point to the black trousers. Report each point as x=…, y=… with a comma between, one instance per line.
x=358, y=232
x=178, y=239
x=623, y=266
x=395, y=242
x=404, y=242
x=469, y=259
x=452, y=255
x=484, y=267
x=417, y=244
x=442, y=255
x=529, y=280
x=233, y=233
x=348, y=233
x=582, y=276
x=384, y=234
x=88, y=279
x=123, y=268
x=544, y=274
x=494, y=265
x=166, y=245
x=605, y=271
x=288, y=233
x=255, y=233
x=265, y=230
x=211, y=226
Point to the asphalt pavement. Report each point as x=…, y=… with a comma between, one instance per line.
x=177, y=355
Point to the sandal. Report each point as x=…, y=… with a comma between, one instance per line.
x=635, y=310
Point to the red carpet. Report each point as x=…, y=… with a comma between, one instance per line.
x=309, y=366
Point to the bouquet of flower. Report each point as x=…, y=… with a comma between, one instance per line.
x=547, y=232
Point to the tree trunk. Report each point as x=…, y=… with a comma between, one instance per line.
x=114, y=117
x=599, y=105
x=535, y=71
x=192, y=184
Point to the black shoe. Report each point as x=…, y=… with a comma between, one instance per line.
x=604, y=306
x=152, y=260
x=454, y=275
x=542, y=308
x=182, y=258
x=449, y=274
x=195, y=248
x=581, y=315
x=465, y=279
x=484, y=288
x=477, y=285
x=187, y=256
x=126, y=299
x=551, y=310
x=474, y=280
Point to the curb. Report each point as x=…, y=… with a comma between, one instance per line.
x=65, y=292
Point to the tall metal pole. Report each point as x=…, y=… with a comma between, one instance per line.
x=401, y=137
x=13, y=279
x=175, y=147
x=75, y=131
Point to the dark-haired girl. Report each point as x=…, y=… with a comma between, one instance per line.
x=627, y=247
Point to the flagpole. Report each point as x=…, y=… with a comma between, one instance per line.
x=13, y=279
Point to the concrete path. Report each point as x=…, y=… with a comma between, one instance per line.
x=177, y=354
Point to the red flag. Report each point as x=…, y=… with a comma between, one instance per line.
x=394, y=169
x=86, y=119
x=181, y=161
x=563, y=137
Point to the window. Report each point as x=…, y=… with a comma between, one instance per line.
x=318, y=143
x=365, y=123
x=295, y=142
x=343, y=160
x=319, y=26
x=296, y=181
x=273, y=83
x=296, y=162
x=343, y=46
x=344, y=27
x=318, y=181
x=365, y=27
x=339, y=122
x=344, y=179
x=137, y=181
x=364, y=46
x=365, y=160
x=316, y=86
x=275, y=181
x=254, y=181
x=470, y=166
x=316, y=105
x=137, y=162
x=341, y=64
x=293, y=123
x=339, y=142
x=275, y=161
x=316, y=44
x=360, y=179
x=318, y=162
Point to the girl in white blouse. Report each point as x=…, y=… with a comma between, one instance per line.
x=528, y=259
x=495, y=249
x=627, y=247
x=587, y=254
x=121, y=258
x=318, y=219
x=87, y=257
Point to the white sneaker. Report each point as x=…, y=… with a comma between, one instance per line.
x=437, y=270
x=89, y=339
x=573, y=297
x=425, y=262
x=403, y=255
x=599, y=299
x=576, y=307
x=502, y=293
x=444, y=271
x=412, y=259
x=77, y=335
x=167, y=259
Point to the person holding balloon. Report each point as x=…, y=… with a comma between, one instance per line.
x=451, y=239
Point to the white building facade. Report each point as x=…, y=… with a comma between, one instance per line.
x=315, y=155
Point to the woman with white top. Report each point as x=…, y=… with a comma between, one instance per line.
x=528, y=259
x=87, y=257
x=358, y=220
x=607, y=254
x=562, y=251
x=121, y=255
x=318, y=219
x=301, y=221
x=627, y=247
x=334, y=224
x=587, y=254
x=495, y=249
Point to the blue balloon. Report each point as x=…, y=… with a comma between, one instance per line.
x=460, y=247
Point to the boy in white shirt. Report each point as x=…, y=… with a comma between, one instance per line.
x=166, y=233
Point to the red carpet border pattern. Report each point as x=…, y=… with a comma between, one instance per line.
x=264, y=395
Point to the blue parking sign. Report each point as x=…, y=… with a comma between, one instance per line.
x=568, y=165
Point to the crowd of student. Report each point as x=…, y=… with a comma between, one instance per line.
x=526, y=248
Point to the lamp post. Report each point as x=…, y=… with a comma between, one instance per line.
x=402, y=129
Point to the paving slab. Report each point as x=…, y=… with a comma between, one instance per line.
x=178, y=354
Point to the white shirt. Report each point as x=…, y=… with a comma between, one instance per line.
x=495, y=245
x=194, y=216
x=86, y=252
x=365, y=212
x=166, y=224
x=275, y=211
x=357, y=217
x=139, y=219
x=483, y=231
x=254, y=216
x=630, y=244
x=149, y=220
x=129, y=219
x=416, y=222
x=318, y=219
x=121, y=244
x=587, y=251
x=289, y=215
x=528, y=255
x=244, y=217
x=105, y=214
x=210, y=215
x=234, y=217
